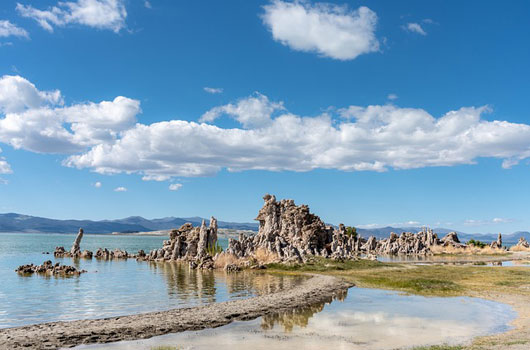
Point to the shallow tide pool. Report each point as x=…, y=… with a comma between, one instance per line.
x=364, y=319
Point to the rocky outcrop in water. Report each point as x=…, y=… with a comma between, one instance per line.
x=523, y=243
x=288, y=232
x=49, y=268
x=76, y=247
x=407, y=243
x=190, y=244
x=105, y=254
x=498, y=243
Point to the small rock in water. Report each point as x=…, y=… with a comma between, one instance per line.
x=49, y=268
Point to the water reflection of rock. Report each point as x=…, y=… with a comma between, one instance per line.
x=297, y=317
x=191, y=284
x=185, y=283
x=258, y=282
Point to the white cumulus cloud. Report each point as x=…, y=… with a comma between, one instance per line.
x=18, y=94
x=105, y=137
x=38, y=120
x=392, y=97
x=100, y=14
x=120, y=189
x=415, y=28
x=97, y=184
x=211, y=90
x=329, y=30
x=175, y=187
x=9, y=29
x=5, y=168
x=372, y=138
x=254, y=111
x=154, y=177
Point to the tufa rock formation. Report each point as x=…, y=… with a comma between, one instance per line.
x=50, y=269
x=102, y=253
x=289, y=232
x=76, y=247
x=498, y=243
x=190, y=244
x=406, y=244
x=523, y=243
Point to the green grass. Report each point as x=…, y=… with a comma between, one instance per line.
x=439, y=347
x=476, y=243
x=327, y=265
x=212, y=250
x=426, y=286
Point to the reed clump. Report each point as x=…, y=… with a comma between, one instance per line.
x=263, y=256
x=224, y=259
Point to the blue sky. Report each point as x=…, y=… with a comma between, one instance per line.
x=372, y=112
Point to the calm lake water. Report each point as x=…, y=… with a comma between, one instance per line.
x=365, y=319
x=476, y=260
x=110, y=288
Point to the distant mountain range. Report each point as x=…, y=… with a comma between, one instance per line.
x=12, y=222
x=24, y=223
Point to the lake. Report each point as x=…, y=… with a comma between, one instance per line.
x=110, y=288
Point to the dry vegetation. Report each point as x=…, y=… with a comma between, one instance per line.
x=224, y=259
x=517, y=248
x=261, y=257
x=469, y=250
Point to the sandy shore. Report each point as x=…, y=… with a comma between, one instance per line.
x=516, y=339
x=317, y=289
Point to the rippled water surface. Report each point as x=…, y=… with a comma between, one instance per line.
x=365, y=319
x=110, y=288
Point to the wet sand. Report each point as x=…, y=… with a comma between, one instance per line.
x=516, y=339
x=54, y=335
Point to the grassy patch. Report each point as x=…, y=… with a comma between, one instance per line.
x=324, y=265
x=427, y=286
x=429, y=280
x=439, y=347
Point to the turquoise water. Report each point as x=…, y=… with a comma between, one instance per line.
x=109, y=288
x=366, y=319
